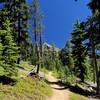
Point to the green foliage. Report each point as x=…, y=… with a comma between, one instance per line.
x=25, y=89
x=78, y=49
x=31, y=56
x=61, y=72
x=50, y=58
x=71, y=79
x=88, y=69
x=74, y=96
x=26, y=65
x=9, y=52
x=66, y=56
x=17, y=12
x=44, y=70
x=66, y=75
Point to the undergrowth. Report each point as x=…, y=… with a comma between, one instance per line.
x=25, y=89
x=74, y=96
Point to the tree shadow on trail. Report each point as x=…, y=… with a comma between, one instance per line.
x=59, y=83
x=7, y=80
x=75, y=89
x=56, y=83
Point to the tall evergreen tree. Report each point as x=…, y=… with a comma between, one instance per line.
x=66, y=56
x=78, y=50
x=17, y=12
x=94, y=36
x=9, y=54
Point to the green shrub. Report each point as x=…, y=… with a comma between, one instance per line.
x=71, y=79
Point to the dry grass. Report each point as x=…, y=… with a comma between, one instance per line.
x=74, y=96
x=25, y=89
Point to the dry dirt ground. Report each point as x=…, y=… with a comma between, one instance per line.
x=59, y=92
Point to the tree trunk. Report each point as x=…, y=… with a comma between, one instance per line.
x=19, y=30
x=38, y=58
x=41, y=45
x=95, y=65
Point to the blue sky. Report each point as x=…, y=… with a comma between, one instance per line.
x=59, y=17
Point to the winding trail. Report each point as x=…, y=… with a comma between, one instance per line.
x=59, y=92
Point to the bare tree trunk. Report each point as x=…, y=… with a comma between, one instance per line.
x=19, y=30
x=41, y=45
x=38, y=58
x=95, y=64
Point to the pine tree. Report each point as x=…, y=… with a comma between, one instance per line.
x=17, y=12
x=9, y=50
x=94, y=36
x=88, y=69
x=78, y=50
x=66, y=56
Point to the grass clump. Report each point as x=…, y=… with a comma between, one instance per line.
x=25, y=89
x=26, y=65
x=20, y=73
x=44, y=70
x=74, y=96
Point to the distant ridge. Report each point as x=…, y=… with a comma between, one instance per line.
x=49, y=46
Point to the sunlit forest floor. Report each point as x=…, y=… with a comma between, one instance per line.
x=24, y=87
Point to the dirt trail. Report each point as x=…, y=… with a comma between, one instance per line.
x=59, y=92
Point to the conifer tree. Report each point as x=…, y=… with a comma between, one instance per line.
x=78, y=50
x=66, y=55
x=17, y=12
x=94, y=36
x=9, y=49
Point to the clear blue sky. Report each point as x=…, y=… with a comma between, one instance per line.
x=59, y=17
